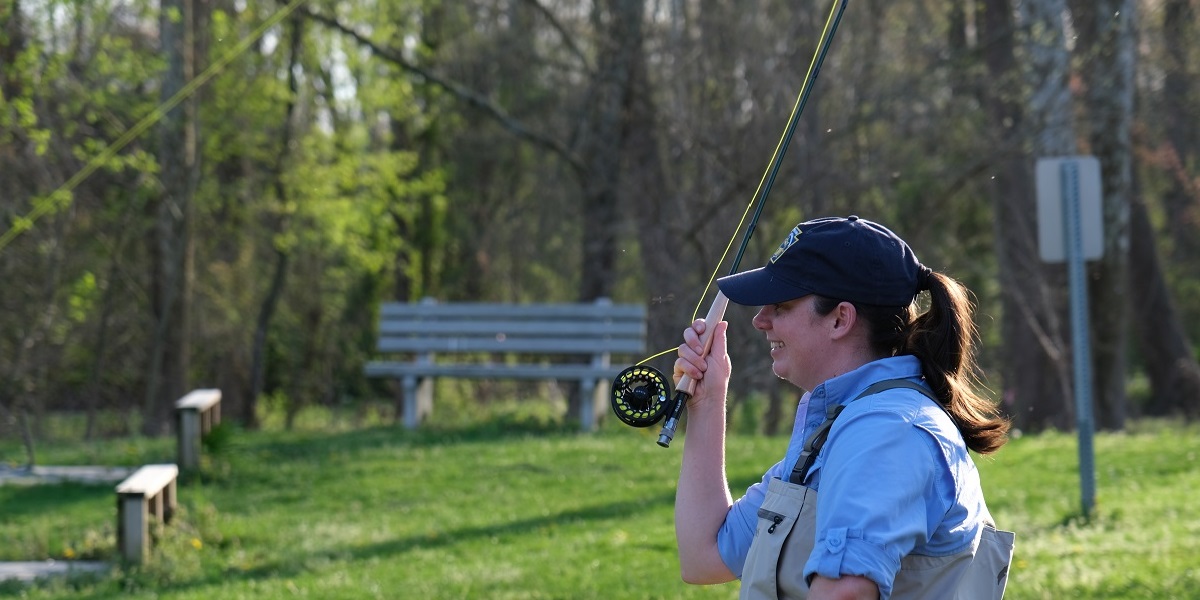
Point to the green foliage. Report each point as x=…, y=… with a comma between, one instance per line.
x=217, y=440
x=17, y=112
x=519, y=508
x=83, y=297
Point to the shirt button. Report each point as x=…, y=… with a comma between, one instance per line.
x=835, y=541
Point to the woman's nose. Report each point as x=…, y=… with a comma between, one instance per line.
x=761, y=321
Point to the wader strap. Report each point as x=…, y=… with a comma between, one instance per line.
x=814, y=443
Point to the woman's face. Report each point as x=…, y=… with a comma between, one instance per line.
x=799, y=339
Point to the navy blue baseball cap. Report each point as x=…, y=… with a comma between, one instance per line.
x=848, y=259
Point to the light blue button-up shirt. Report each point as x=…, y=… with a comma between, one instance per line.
x=894, y=478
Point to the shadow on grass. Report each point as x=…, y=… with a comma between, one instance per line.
x=22, y=500
x=299, y=444
x=295, y=566
x=1096, y=519
x=600, y=512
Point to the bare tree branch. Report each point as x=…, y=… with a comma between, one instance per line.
x=459, y=91
x=566, y=36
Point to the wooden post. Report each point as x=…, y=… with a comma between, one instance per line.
x=198, y=412
x=133, y=532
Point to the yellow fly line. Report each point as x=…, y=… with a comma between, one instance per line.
x=813, y=65
x=61, y=197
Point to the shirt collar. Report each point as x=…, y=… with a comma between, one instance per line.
x=846, y=387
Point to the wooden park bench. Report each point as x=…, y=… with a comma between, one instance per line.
x=198, y=412
x=148, y=493
x=565, y=342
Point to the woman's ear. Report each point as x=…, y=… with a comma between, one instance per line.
x=844, y=317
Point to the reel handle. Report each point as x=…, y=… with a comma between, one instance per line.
x=687, y=386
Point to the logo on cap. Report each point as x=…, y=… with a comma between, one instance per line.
x=792, y=238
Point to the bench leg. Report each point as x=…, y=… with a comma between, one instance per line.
x=593, y=396
x=189, y=439
x=600, y=402
x=155, y=505
x=418, y=400
x=168, y=502
x=133, y=527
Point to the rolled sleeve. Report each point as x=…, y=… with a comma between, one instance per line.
x=843, y=551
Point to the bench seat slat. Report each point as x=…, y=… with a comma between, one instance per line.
x=199, y=399
x=492, y=371
x=149, y=479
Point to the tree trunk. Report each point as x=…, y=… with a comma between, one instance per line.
x=12, y=44
x=12, y=409
x=172, y=240
x=99, y=350
x=282, y=255
x=1178, y=112
x=1036, y=386
x=648, y=196
x=1170, y=361
x=1106, y=36
x=619, y=26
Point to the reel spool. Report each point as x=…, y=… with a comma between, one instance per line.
x=640, y=396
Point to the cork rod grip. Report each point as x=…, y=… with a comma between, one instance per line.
x=715, y=313
x=686, y=386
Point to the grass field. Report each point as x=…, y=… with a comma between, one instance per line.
x=513, y=510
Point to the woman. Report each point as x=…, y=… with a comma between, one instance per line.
x=882, y=433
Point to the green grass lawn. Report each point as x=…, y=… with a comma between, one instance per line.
x=514, y=511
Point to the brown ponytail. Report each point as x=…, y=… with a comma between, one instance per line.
x=942, y=338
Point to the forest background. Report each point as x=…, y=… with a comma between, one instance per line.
x=221, y=193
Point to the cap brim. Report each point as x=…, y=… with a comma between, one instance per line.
x=759, y=287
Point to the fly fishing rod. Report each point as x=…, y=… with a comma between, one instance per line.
x=641, y=395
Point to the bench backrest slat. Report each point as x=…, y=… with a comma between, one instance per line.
x=509, y=328
x=523, y=328
x=486, y=310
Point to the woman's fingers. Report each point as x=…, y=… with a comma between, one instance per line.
x=691, y=361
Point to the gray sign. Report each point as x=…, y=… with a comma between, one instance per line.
x=1050, y=196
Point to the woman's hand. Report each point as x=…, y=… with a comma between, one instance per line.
x=710, y=371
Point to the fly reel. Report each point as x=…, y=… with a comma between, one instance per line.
x=640, y=396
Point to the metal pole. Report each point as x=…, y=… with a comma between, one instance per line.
x=1081, y=354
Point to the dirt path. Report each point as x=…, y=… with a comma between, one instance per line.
x=29, y=571
x=49, y=474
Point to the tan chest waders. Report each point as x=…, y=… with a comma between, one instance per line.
x=786, y=535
